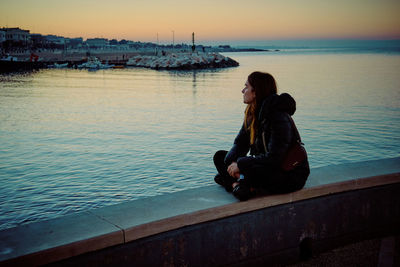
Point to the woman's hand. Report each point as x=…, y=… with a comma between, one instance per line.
x=233, y=170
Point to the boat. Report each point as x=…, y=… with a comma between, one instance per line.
x=8, y=58
x=13, y=64
x=94, y=63
x=58, y=66
x=62, y=65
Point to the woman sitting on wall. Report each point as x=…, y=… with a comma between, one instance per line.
x=268, y=132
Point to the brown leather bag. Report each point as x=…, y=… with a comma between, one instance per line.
x=296, y=153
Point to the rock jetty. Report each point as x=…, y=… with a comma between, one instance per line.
x=182, y=61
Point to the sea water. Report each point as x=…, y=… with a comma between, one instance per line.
x=71, y=140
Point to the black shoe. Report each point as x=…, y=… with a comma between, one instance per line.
x=225, y=181
x=219, y=179
x=242, y=192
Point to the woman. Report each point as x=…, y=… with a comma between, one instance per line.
x=268, y=133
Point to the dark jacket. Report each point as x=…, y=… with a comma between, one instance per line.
x=274, y=137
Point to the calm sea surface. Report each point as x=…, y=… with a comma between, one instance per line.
x=72, y=139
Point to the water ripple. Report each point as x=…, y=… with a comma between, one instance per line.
x=73, y=140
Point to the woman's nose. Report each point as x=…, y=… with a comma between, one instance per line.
x=243, y=90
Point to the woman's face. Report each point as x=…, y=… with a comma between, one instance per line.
x=249, y=94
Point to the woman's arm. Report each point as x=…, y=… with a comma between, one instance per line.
x=280, y=137
x=240, y=147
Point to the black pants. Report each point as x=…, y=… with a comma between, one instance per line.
x=271, y=179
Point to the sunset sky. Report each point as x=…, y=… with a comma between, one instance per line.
x=211, y=20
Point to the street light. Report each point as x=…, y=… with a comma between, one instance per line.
x=173, y=39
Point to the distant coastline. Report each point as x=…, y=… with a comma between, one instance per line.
x=40, y=51
x=58, y=55
x=21, y=44
x=21, y=50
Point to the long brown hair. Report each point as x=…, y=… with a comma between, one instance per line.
x=264, y=85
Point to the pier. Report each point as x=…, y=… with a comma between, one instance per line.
x=160, y=60
x=340, y=204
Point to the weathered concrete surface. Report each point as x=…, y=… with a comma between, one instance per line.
x=368, y=253
x=47, y=241
x=147, y=216
x=349, y=171
x=263, y=237
x=206, y=213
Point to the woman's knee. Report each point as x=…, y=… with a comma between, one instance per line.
x=219, y=156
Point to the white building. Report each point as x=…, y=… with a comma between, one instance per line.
x=97, y=42
x=2, y=36
x=55, y=39
x=17, y=35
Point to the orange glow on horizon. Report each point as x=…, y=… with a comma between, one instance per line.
x=210, y=20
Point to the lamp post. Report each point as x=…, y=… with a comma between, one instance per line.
x=173, y=39
x=193, y=47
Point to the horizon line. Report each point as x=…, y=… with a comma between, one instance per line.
x=233, y=39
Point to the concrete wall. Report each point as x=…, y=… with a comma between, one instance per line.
x=208, y=227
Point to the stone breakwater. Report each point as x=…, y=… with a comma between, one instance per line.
x=182, y=61
x=147, y=59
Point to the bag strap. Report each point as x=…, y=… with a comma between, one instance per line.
x=294, y=128
x=296, y=132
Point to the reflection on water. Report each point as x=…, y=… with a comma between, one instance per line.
x=72, y=139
